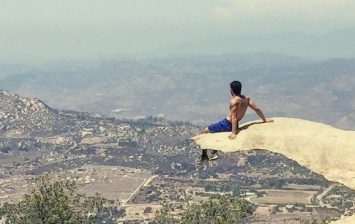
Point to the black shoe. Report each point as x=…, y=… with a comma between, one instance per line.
x=202, y=159
x=214, y=155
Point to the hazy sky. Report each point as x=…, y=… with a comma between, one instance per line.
x=46, y=30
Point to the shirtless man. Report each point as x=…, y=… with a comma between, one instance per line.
x=238, y=106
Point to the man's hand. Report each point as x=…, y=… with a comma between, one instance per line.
x=232, y=136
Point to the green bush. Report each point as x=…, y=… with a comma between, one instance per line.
x=53, y=202
x=220, y=210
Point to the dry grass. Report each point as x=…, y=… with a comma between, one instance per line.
x=285, y=197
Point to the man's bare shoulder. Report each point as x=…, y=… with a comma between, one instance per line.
x=247, y=98
x=235, y=100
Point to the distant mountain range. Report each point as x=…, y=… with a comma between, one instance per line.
x=194, y=88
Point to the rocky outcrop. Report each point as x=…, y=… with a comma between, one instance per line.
x=24, y=117
x=323, y=149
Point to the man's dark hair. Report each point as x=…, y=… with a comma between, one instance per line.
x=236, y=87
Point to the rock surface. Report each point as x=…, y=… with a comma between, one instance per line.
x=322, y=148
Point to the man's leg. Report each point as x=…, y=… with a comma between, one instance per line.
x=204, y=155
x=214, y=155
x=205, y=131
x=215, y=152
x=227, y=126
x=220, y=126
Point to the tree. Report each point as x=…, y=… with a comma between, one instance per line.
x=164, y=217
x=236, y=191
x=53, y=202
x=219, y=210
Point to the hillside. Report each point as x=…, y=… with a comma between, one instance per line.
x=25, y=117
x=142, y=164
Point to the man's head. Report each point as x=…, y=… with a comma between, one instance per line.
x=236, y=87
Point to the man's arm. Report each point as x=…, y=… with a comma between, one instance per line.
x=257, y=110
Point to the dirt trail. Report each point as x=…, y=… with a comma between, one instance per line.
x=145, y=183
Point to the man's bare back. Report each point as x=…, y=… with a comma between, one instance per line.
x=241, y=103
x=238, y=106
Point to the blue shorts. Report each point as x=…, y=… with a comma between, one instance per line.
x=221, y=126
